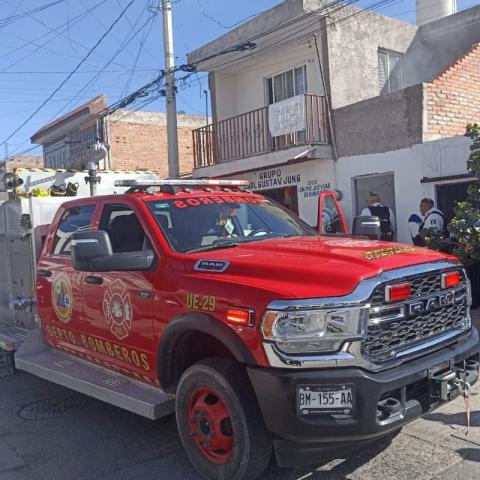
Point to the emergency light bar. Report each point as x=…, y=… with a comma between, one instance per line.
x=181, y=183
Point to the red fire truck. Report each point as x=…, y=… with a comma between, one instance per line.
x=207, y=300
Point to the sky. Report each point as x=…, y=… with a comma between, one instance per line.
x=43, y=41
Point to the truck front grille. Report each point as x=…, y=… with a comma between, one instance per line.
x=431, y=312
x=421, y=286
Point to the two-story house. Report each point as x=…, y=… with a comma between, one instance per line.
x=345, y=99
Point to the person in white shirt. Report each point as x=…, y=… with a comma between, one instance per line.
x=385, y=214
x=433, y=219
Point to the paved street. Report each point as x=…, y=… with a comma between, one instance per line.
x=49, y=433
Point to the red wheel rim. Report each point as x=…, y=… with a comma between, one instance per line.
x=210, y=425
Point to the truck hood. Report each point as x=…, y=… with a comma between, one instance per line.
x=307, y=267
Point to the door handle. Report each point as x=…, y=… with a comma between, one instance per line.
x=94, y=280
x=44, y=273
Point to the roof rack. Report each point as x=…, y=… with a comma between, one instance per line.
x=169, y=186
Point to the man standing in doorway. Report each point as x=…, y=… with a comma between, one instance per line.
x=385, y=214
x=433, y=220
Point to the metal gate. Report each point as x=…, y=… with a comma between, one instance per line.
x=449, y=195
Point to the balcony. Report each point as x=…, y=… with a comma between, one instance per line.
x=248, y=134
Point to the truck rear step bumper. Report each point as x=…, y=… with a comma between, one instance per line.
x=35, y=356
x=11, y=337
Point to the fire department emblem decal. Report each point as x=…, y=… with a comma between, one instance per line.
x=117, y=309
x=62, y=299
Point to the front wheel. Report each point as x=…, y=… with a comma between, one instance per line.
x=219, y=422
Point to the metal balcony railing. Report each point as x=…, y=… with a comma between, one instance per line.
x=248, y=134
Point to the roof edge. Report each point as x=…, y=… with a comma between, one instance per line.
x=93, y=107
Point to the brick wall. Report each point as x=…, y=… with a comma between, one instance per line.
x=31, y=161
x=138, y=141
x=453, y=97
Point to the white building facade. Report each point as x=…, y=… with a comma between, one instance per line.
x=341, y=100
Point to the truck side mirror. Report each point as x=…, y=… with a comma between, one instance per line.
x=92, y=252
x=89, y=245
x=367, y=227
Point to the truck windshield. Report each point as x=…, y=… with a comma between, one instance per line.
x=209, y=222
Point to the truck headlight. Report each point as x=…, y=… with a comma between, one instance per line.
x=308, y=331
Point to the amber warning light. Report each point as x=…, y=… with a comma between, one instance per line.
x=450, y=280
x=395, y=293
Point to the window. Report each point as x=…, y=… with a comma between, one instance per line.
x=389, y=71
x=287, y=84
x=125, y=231
x=331, y=217
x=73, y=220
x=213, y=222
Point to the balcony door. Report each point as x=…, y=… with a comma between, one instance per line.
x=285, y=85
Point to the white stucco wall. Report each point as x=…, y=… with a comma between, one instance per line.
x=241, y=88
x=311, y=178
x=433, y=159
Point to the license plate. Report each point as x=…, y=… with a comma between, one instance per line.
x=325, y=399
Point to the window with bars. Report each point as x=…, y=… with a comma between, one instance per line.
x=390, y=66
x=287, y=84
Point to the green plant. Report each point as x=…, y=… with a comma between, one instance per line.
x=464, y=229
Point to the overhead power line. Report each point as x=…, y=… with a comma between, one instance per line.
x=151, y=91
x=132, y=27
x=374, y=6
x=103, y=25
x=19, y=16
x=220, y=24
x=296, y=32
x=59, y=31
x=70, y=75
x=326, y=10
x=60, y=72
x=130, y=36
x=141, y=47
x=66, y=36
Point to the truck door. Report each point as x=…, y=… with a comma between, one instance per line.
x=59, y=286
x=118, y=306
x=330, y=215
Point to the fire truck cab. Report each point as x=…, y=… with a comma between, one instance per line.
x=207, y=300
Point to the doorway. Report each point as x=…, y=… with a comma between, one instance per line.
x=449, y=195
x=382, y=184
x=287, y=197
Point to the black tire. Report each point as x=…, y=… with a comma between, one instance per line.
x=251, y=444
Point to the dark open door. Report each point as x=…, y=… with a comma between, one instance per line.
x=330, y=215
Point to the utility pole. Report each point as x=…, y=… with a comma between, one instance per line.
x=172, y=139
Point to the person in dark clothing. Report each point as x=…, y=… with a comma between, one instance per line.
x=385, y=214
